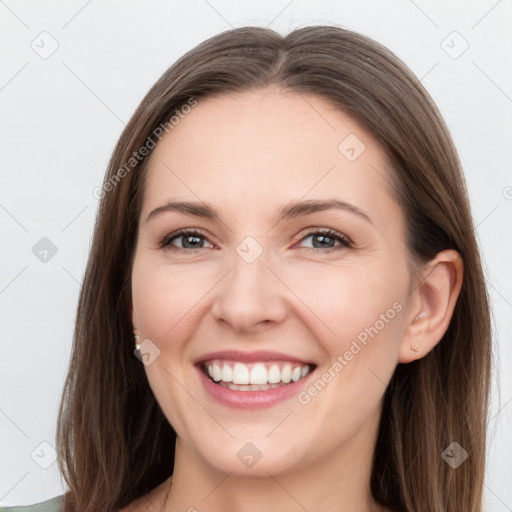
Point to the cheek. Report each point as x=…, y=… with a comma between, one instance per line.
x=362, y=307
x=351, y=301
x=164, y=298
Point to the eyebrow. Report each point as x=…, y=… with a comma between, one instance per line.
x=290, y=211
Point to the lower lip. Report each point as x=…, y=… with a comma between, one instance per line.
x=250, y=399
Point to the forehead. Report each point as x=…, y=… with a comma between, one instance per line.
x=256, y=150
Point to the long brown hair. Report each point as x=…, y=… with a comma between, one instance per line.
x=114, y=443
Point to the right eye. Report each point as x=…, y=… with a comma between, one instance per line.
x=189, y=239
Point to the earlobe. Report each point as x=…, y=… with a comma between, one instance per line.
x=434, y=302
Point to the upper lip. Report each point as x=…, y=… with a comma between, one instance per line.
x=249, y=357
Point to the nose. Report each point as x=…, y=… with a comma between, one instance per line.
x=251, y=298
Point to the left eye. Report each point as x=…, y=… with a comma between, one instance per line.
x=327, y=239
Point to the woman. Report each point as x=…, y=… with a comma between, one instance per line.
x=284, y=242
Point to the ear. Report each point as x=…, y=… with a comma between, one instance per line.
x=134, y=319
x=431, y=306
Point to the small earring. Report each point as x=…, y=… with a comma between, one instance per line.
x=415, y=347
x=136, y=341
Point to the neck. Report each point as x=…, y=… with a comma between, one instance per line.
x=338, y=481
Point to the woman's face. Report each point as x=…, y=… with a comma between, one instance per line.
x=260, y=293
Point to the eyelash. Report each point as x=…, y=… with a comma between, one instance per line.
x=344, y=241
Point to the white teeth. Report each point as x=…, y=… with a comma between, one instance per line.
x=249, y=387
x=258, y=375
x=274, y=374
x=258, y=378
x=217, y=374
x=286, y=374
x=240, y=374
x=227, y=373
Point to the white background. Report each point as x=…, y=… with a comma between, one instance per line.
x=61, y=116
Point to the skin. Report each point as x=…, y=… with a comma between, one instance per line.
x=248, y=155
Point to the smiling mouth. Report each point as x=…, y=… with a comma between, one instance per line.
x=257, y=376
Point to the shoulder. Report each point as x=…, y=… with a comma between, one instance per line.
x=51, y=505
